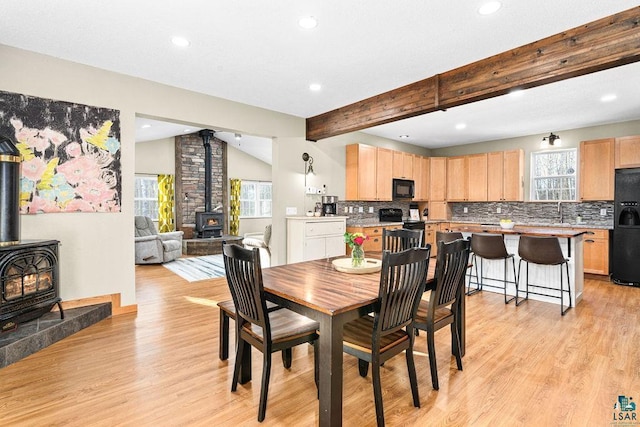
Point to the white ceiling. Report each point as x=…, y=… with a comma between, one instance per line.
x=255, y=53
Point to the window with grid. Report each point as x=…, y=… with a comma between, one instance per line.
x=553, y=175
x=146, y=196
x=255, y=199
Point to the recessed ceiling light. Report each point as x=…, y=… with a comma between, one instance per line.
x=315, y=87
x=187, y=130
x=180, y=41
x=403, y=136
x=147, y=126
x=308, y=22
x=608, y=98
x=460, y=126
x=516, y=93
x=489, y=8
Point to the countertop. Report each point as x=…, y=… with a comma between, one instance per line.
x=527, y=231
x=376, y=223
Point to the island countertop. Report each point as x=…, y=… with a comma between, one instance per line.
x=519, y=230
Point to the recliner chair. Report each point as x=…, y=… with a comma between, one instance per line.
x=260, y=241
x=153, y=247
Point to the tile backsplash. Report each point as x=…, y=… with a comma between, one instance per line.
x=535, y=212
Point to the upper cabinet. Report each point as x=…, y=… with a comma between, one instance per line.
x=421, y=178
x=467, y=178
x=437, y=178
x=627, y=152
x=597, y=169
x=403, y=165
x=505, y=176
x=513, y=182
x=368, y=173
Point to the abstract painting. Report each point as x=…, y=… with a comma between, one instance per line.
x=70, y=154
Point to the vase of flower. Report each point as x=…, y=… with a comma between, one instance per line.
x=357, y=256
x=355, y=241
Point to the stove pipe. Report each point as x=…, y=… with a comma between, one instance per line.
x=206, y=135
x=9, y=192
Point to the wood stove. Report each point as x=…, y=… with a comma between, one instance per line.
x=209, y=224
x=28, y=281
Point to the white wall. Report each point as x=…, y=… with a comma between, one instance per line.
x=97, y=250
x=156, y=157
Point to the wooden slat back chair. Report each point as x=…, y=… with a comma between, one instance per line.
x=375, y=339
x=268, y=331
x=400, y=239
x=441, y=309
x=450, y=236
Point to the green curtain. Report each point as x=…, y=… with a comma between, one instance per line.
x=234, y=212
x=166, y=201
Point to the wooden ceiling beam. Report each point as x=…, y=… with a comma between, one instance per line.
x=606, y=43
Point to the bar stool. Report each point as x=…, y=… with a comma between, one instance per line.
x=492, y=247
x=543, y=251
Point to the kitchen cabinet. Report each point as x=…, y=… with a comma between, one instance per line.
x=421, y=178
x=402, y=165
x=477, y=177
x=437, y=178
x=430, y=230
x=310, y=238
x=374, y=243
x=596, y=251
x=597, y=170
x=457, y=176
x=368, y=173
x=505, y=176
x=627, y=152
x=439, y=210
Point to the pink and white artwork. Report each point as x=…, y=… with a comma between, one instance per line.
x=70, y=154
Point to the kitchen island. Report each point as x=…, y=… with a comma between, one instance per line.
x=571, y=243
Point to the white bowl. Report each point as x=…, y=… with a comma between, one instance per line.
x=507, y=225
x=309, y=213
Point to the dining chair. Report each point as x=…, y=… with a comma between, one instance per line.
x=442, y=308
x=267, y=331
x=400, y=239
x=375, y=339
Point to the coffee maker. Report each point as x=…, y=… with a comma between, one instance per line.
x=329, y=205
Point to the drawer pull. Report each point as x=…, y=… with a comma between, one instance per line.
x=589, y=241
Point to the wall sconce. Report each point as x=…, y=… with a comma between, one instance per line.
x=552, y=140
x=238, y=136
x=308, y=166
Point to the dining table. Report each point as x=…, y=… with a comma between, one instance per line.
x=332, y=298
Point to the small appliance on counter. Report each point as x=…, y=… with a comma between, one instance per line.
x=329, y=205
x=414, y=222
x=414, y=212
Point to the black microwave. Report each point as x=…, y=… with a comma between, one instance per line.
x=403, y=189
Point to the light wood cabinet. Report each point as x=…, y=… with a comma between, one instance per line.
x=439, y=210
x=597, y=169
x=627, y=152
x=374, y=243
x=421, y=178
x=437, y=179
x=596, y=251
x=457, y=177
x=430, y=236
x=403, y=165
x=314, y=238
x=513, y=189
x=477, y=177
x=495, y=176
x=368, y=173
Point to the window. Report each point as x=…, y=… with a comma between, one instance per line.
x=146, y=196
x=553, y=175
x=255, y=199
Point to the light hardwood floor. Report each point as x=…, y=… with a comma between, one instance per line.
x=524, y=366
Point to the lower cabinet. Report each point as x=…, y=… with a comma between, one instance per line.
x=374, y=243
x=314, y=238
x=596, y=251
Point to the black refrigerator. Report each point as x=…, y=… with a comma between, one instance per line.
x=626, y=228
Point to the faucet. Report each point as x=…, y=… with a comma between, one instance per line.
x=560, y=212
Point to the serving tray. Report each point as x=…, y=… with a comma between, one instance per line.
x=371, y=265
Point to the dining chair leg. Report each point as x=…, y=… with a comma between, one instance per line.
x=238, y=365
x=363, y=367
x=431, y=349
x=413, y=378
x=266, y=373
x=287, y=355
x=377, y=394
x=316, y=366
x=456, y=344
x=223, y=351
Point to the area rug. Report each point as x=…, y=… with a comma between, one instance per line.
x=198, y=268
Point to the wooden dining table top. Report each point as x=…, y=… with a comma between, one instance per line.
x=319, y=286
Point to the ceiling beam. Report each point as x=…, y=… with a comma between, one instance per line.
x=606, y=43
